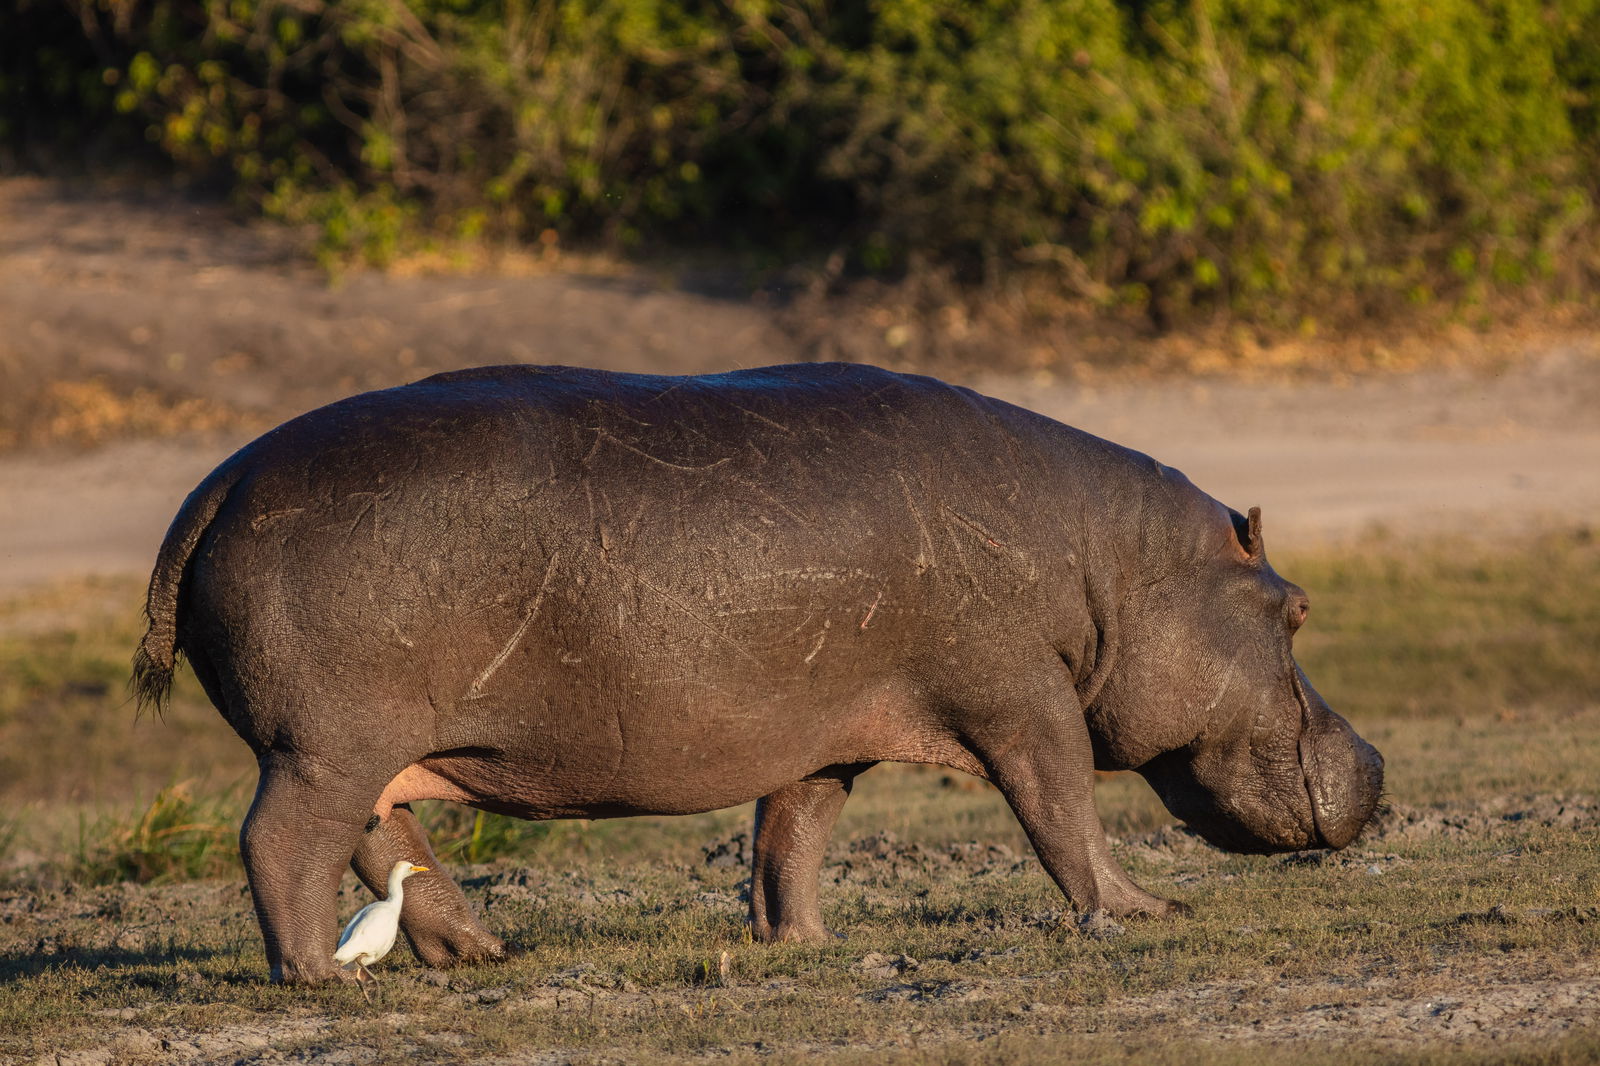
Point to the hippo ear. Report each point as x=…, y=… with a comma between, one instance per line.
x=1248, y=530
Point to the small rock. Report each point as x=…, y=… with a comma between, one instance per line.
x=345, y=1056
x=126, y=1014
x=1499, y=914
x=884, y=846
x=1304, y=858
x=1099, y=925
x=541, y=998
x=510, y=891
x=572, y=976
x=138, y=1042
x=876, y=964
x=892, y=994
x=927, y=992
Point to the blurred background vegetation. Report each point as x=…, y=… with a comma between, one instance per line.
x=1280, y=161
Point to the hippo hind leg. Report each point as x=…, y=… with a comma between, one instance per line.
x=792, y=829
x=435, y=916
x=297, y=839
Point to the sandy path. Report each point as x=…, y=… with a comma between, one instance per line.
x=99, y=513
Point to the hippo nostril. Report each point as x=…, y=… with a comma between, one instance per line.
x=1299, y=609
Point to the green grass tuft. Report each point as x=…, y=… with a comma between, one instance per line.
x=178, y=836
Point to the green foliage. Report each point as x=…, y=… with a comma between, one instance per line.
x=54, y=88
x=1262, y=156
x=462, y=835
x=178, y=837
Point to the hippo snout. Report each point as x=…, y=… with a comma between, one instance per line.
x=1344, y=777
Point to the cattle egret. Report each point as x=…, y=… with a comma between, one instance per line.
x=371, y=933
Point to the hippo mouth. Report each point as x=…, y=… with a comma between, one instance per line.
x=1321, y=796
x=1343, y=773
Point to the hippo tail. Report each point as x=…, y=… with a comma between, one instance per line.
x=157, y=655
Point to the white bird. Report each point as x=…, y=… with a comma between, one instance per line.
x=371, y=933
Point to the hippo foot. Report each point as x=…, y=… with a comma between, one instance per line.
x=1128, y=900
x=458, y=947
x=1154, y=907
x=303, y=975
x=793, y=933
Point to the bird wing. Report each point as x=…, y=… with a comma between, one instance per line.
x=339, y=954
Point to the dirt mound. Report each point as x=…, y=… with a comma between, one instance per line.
x=1452, y=1010
x=1404, y=822
x=140, y=316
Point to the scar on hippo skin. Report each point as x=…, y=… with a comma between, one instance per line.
x=1015, y=599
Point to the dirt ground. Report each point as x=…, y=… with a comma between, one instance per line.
x=144, y=338
x=1457, y=973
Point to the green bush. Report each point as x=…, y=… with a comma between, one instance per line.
x=1267, y=157
x=54, y=96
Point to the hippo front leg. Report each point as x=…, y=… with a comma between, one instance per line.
x=1045, y=770
x=792, y=829
x=435, y=916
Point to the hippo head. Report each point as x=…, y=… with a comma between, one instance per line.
x=1206, y=700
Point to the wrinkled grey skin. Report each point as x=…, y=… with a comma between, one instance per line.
x=562, y=593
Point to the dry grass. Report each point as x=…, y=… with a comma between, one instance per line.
x=92, y=411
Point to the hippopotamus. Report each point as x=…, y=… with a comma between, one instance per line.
x=553, y=592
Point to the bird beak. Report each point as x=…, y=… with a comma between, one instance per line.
x=419, y=869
